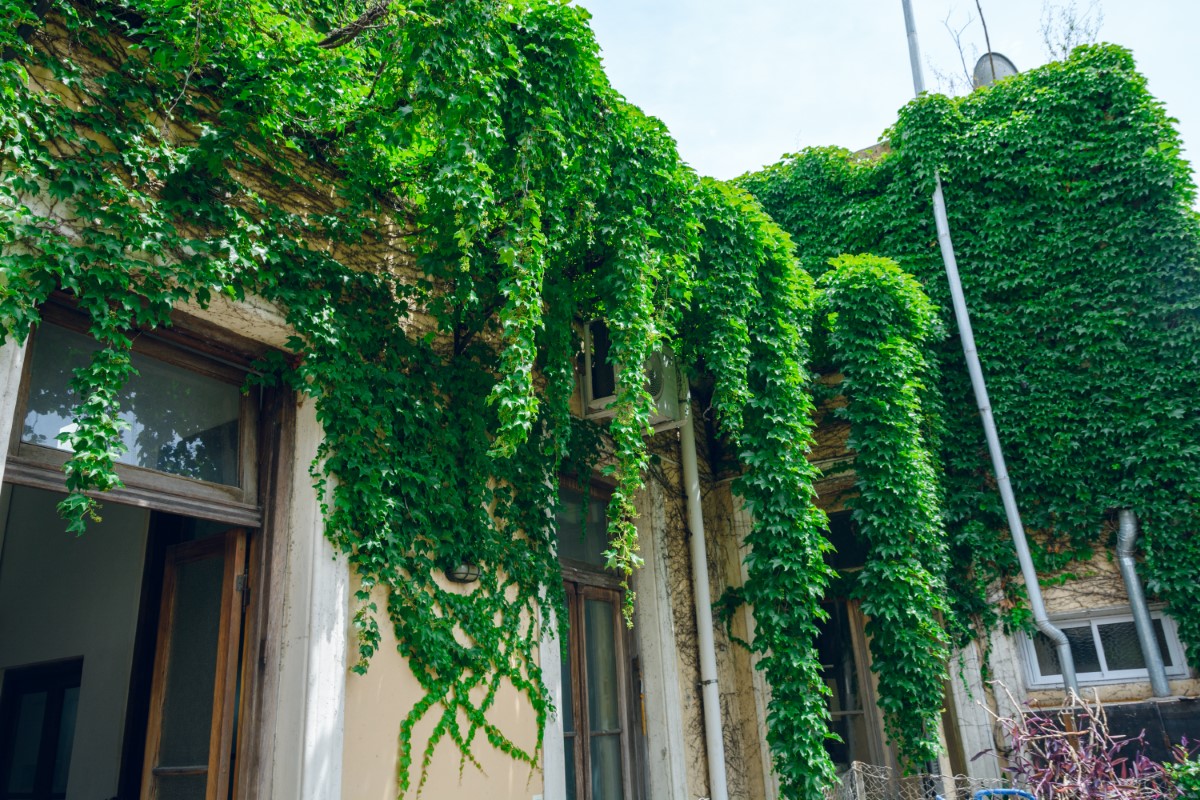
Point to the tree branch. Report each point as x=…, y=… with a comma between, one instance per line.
x=348, y=33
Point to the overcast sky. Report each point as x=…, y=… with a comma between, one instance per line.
x=741, y=82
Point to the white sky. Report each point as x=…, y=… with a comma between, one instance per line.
x=741, y=82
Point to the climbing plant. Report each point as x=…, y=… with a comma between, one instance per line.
x=758, y=361
x=879, y=323
x=1072, y=215
x=434, y=194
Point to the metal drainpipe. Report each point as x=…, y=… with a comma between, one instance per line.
x=1127, y=532
x=1061, y=645
x=713, y=739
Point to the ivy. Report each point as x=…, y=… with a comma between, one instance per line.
x=879, y=323
x=760, y=394
x=435, y=195
x=1072, y=215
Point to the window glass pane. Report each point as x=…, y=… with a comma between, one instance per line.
x=1122, y=650
x=1161, y=635
x=849, y=549
x=603, y=375
x=606, y=768
x=31, y=715
x=569, y=748
x=192, y=663
x=182, y=787
x=852, y=728
x=1083, y=648
x=600, y=651
x=179, y=421
x=581, y=537
x=66, y=737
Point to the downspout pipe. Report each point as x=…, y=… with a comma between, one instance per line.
x=961, y=315
x=714, y=740
x=1127, y=532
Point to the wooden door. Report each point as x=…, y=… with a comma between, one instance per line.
x=596, y=713
x=190, y=736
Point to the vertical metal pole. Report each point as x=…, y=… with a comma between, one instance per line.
x=710, y=695
x=1126, y=539
x=914, y=49
x=1061, y=645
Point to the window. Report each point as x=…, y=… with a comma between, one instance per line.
x=845, y=658
x=599, y=672
x=160, y=617
x=840, y=646
x=190, y=434
x=1105, y=648
x=37, y=730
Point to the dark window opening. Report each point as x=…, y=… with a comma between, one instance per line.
x=38, y=708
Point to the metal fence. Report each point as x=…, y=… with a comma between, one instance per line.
x=870, y=782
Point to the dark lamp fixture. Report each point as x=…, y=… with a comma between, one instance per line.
x=463, y=572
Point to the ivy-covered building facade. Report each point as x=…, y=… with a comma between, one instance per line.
x=325, y=475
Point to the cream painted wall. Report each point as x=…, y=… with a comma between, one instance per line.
x=377, y=702
x=63, y=596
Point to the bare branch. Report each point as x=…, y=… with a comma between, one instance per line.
x=1064, y=27
x=947, y=81
x=348, y=33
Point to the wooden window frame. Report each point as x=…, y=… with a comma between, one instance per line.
x=263, y=504
x=878, y=751
x=41, y=467
x=580, y=739
x=584, y=582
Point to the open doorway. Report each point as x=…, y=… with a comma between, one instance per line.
x=120, y=651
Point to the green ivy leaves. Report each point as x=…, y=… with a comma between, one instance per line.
x=180, y=150
x=1072, y=218
x=879, y=323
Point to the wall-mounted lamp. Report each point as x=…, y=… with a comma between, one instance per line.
x=463, y=572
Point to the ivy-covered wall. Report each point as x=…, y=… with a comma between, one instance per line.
x=1072, y=216
x=435, y=195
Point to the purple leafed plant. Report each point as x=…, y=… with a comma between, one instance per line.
x=1069, y=754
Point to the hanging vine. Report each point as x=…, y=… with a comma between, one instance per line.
x=1072, y=214
x=434, y=194
x=879, y=324
x=753, y=314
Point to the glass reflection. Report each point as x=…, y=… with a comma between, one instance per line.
x=606, y=768
x=602, y=687
x=177, y=421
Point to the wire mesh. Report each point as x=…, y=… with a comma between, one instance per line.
x=871, y=782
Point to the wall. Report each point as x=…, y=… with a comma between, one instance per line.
x=63, y=597
x=1096, y=586
x=743, y=709
x=675, y=572
x=376, y=704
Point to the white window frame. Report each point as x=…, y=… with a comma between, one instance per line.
x=1093, y=619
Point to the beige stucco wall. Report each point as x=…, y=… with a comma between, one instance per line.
x=376, y=704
